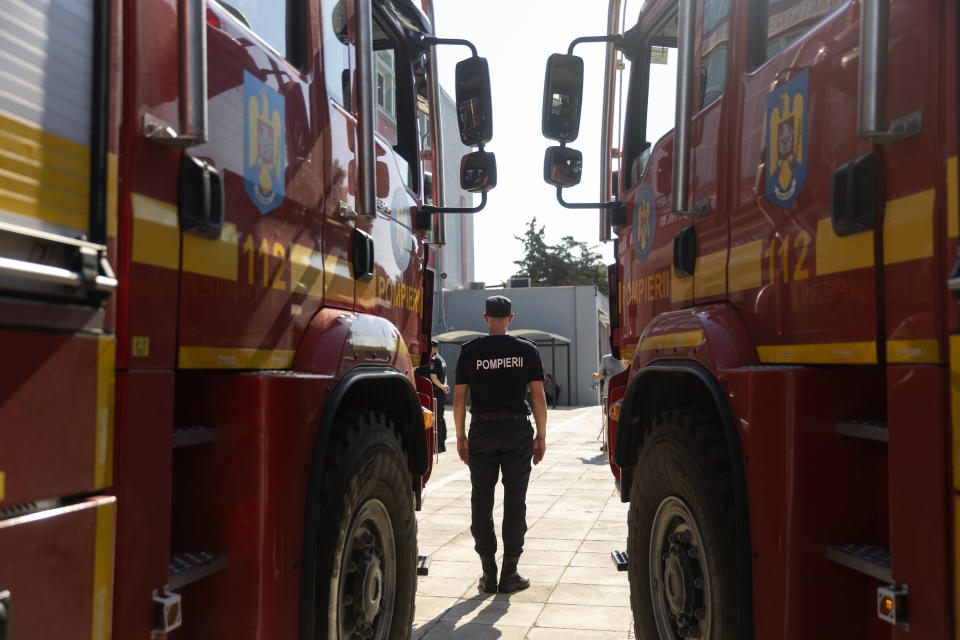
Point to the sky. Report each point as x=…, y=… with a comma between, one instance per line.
x=516, y=37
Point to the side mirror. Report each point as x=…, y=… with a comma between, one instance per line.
x=478, y=172
x=562, y=97
x=562, y=166
x=474, y=102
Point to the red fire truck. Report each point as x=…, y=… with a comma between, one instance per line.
x=213, y=294
x=781, y=179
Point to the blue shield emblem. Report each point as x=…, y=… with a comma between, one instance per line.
x=787, y=141
x=264, y=167
x=644, y=223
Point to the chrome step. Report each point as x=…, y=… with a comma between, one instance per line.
x=186, y=436
x=867, y=559
x=423, y=565
x=866, y=429
x=187, y=567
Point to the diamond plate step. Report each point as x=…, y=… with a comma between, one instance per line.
x=867, y=559
x=186, y=436
x=866, y=429
x=187, y=567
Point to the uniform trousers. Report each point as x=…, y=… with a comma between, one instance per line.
x=495, y=446
x=441, y=423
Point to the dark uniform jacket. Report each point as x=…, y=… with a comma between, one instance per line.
x=498, y=369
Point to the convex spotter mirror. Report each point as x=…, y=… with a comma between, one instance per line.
x=478, y=172
x=562, y=166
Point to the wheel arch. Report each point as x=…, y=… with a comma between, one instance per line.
x=369, y=387
x=672, y=384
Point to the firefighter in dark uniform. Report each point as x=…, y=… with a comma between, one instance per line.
x=496, y=370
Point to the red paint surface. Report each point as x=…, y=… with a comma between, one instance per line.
x=47, y=562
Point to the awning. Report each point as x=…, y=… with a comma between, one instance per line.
x=538, y=337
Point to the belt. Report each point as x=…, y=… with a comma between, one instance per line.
x=494, y=415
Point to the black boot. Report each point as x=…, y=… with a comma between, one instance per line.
x=510, y=580
x=488, y=581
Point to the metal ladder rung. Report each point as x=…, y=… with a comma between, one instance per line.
x=867, y=559
x=866, y=429
x=187, y=567
x=186, y=436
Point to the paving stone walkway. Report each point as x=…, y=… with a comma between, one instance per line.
x=575, y=520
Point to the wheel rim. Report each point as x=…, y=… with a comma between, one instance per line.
x=679, y=579
x=366, y=592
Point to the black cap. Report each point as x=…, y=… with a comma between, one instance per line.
x=498, y=306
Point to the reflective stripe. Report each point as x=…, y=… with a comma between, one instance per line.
x=103, y=572
x=106, y=383
x=224, y=358
x=955, y=406
x=829, y=353
x=913, y=351
x=672, y=340
x=908, y=228
x=710, y=273
x=215, y=258
x=156, y=237
x=744, y=269
x=836, y=254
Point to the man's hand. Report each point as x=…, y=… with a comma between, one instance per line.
x=463, y=449
x=446, y=388
x=539, y=448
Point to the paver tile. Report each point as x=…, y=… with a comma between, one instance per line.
x=590, y=594
x=572, y=616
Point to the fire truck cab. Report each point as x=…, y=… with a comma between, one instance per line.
x=214, y=229
x=781, y=182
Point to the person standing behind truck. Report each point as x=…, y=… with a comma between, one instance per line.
x=609, y=367
x=496, y=369
x=438, y=376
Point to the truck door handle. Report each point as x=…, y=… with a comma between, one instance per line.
x=200, y=198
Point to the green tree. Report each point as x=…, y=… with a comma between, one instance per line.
x=569, y=263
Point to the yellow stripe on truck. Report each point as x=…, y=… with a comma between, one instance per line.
x=156, y=237
x=835, y=254
x=103, y=572
x=238, y=358
x=215, y=258
x=908, y=228
x=828, y=353
x=42, y=175
x=106, y=384
x=953, y=223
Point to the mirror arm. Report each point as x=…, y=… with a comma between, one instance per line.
x=586, y=205
x=615, y=38
x=429, y=41
x=428, y=208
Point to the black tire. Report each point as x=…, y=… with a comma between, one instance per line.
x=682, y=518
x=367, y=543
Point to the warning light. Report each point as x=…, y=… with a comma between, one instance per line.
x=614, y=412
x=886, y=606
x=892, y=604
x=427, y=418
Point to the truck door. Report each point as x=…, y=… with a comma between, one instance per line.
x=649, y=285
x=708, y=148
x=237, y=214
x=804, y=285
x=394, y=291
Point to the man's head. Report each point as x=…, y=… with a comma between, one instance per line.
x=434, y=344
x=498, y=313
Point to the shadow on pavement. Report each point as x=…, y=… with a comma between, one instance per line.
x=490, y=607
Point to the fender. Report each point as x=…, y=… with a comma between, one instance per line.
x=679, y=362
